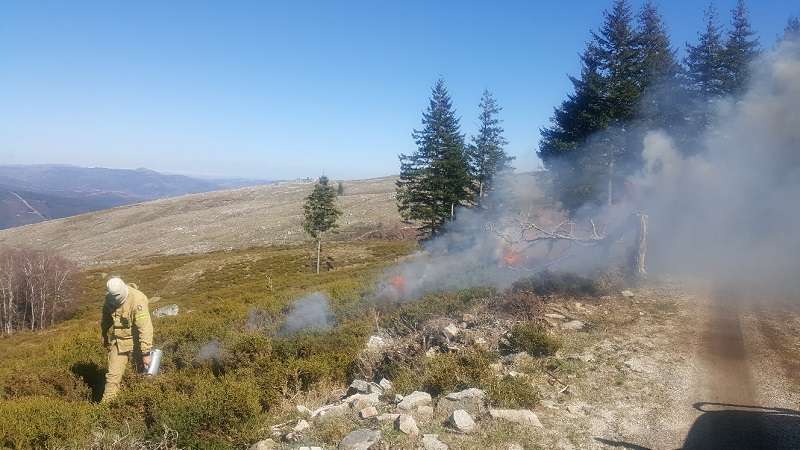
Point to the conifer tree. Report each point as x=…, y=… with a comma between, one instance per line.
x=657, y=57
x=705, y=61
x=320, y=212
x=792, y=30
x=486, y=155
x=435, y=179
x=741, y=49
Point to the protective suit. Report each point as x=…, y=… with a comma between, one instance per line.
x=127, y=330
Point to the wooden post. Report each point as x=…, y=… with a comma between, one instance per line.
x=640, y=260
x=319, y=247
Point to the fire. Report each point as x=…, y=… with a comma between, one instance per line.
x=511, y=257
x=399, y=283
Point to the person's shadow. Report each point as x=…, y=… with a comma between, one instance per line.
x=93, y=375
x=733, y=427
x=736, y=427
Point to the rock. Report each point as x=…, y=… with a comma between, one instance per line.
x=520, y=416
x=398, y=398
x=555, y=316
x=450, y=331
x=471, y=400
x=310, y=448
x=431, y=352
x=573, y=325
x=376, y=343
x=359, y=386
x=266, y=444
x=361, y=401
x=303, y=410
x=414, y=400
x=406, y=424
x=375, y=388
x=387, y=417
x=628, y=293
x=153, y=299
x=641, y=364
x=462, y=421
x=361, y=439
x=168, y=310
x=368, y=412
x=301, y=426
x=386, y=385
x=334, y=410
x=424, y=413
x=480, y=342
x=432, y=442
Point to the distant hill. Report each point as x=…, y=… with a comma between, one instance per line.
x=31, y=194
x=199, y=223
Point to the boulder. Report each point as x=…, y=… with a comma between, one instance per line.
x=406, y=424
x=471, y=400
x=334, y=410
x=301, y=426
x=520, y=416
x=627, y=293
x=303, y=410
x=386, y=385
x=387, y=417
x=376, y=343
x=368, y=412
x=375, y=388
x=164, y=311
x=359, y=386
x=415, y=400
x=266, y=444
x=424, y=413
x=450, y=331
x=573, y=325
x=361, y=439
x=432, y=442
x=462, y=421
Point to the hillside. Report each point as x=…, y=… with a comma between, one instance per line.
x=230, y=219
x=31, y=194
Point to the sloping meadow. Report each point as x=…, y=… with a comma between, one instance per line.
x=229, y=358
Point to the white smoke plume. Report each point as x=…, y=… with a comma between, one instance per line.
x=309, y=313
x=211, y=351
x=731, y=212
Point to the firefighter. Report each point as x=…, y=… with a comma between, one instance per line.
x=127, y=331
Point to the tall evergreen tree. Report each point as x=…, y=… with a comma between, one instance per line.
x=486, y=154
x=616, y=44
x=704, y=61
x=792, y=30
x=582, y=114
x=320, y=212
x=741, y=48
x=657, y=57
x=435, y=179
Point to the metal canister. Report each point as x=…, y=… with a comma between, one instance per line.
x=155, y=361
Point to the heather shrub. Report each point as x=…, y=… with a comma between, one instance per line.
x=533, y=339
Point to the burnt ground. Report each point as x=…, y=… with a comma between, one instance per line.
x=719, y=368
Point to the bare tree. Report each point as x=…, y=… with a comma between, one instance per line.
x=36, y=289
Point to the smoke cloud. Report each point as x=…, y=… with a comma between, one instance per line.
x=309, y=313
x=730, y=212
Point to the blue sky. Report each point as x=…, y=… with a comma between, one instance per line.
x=287, y=89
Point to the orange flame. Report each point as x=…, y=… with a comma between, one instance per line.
x=511, y=257
x=399, y=283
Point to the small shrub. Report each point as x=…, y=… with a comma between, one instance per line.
x=559, y=283
x=533, y=339
x=445, y=373
x=512, y=392
x=40, y=422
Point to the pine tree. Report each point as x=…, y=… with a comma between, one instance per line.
x=582, y=114
x=657, y=57
x=616, y=44
x=486, y=155
x=741, y=49
x=705, y=61
x=435, y=179
x=340, y=189
x=792, y=30
x=320, y=212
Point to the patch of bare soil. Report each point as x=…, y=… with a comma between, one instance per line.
x=668, y=370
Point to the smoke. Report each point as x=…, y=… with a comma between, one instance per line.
x=309, y=313
x=729, y=212
x=210, y=352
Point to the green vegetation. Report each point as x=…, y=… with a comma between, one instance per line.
x=320, y=212
x=570, y=284
x=223, y=400
x=532, y=339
